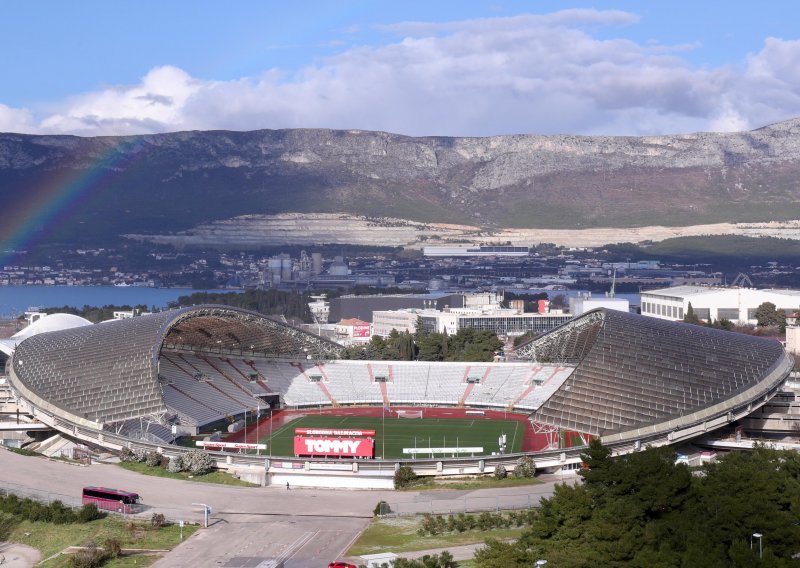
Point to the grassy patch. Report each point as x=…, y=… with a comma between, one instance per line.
x=487, y=481
x=220, y=477
x=24, y=452
x=51, y=539
x=399, y=534
x=482, y=483
x=408, y=433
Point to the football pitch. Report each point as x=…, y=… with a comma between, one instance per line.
x=394, y=434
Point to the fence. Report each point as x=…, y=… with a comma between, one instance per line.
x=466, y=504
x=39, y=495
x=189, y=514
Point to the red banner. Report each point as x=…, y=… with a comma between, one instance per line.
x=329, y=432
x=361, y=331
x=334, y=447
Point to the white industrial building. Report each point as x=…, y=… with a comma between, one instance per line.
x=502, y=321
x=712, y=303
x=586, y=303
x=494, y=250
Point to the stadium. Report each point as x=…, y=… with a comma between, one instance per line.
x=628, y=379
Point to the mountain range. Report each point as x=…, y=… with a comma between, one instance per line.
x=96, y=188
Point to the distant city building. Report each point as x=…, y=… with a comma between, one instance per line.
x=500, y=321
x=586, y=303
x=353, y=331
x=361, y=307
x=792, y=333
x=383, y=322
x=476, y=251
x=638, y=265
x=714, y=303
x=320, y=308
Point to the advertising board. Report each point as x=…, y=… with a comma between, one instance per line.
x=331, y=432
x=361, y=331
x=334, y=447
x=231, y=445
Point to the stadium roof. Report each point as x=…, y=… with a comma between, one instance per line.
x=108, y=372
x=633, y=371
x=51, y=322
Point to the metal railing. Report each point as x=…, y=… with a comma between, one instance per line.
x=467, y=504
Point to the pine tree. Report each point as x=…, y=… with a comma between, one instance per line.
x=690, y=316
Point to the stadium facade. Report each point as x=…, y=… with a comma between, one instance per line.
x=629, y=379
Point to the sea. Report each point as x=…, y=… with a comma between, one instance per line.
x=15, y=300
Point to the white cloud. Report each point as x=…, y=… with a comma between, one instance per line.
x=16, y=120
x=524, y=74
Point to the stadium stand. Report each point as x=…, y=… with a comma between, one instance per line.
x=605, y=373
x=634, y=371
x=106, y=373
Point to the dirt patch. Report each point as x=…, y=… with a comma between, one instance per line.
x=13, y=555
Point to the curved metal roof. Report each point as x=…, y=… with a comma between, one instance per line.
x=108, y=372
x=634, y=371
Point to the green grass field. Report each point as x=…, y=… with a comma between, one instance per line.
x=408, y=433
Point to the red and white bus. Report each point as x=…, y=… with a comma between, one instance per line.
x=112, y=499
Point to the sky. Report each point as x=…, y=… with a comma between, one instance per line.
x=420, y=68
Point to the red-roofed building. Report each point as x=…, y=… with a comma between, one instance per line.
x=353, y=331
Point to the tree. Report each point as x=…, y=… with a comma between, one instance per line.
x=690, y=316
x=722, y=323
x=768, y=316
x=442, y=560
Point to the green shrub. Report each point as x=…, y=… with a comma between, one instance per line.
x=126, y=455
x=198, y=462
x=176, y=464
x=525, y=467
x=404, y=476
x=381, y=508
x=500, y=472
x=113, y=547
x=429, y=524
x=61, y=514
x=89, y=513
x=152, y=459
x=486, y=521
x=89, y=557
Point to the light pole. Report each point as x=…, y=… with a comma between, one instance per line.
x=758, y=536
x=270, y=431
x=258, y=423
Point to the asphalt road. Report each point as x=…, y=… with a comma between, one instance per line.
x=304, y=527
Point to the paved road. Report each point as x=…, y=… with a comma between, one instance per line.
x=305, y=527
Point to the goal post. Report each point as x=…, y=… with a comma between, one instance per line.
x=409, y=413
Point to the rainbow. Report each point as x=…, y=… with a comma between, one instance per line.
x=60, y=195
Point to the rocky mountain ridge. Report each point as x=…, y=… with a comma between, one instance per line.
x=173, y=182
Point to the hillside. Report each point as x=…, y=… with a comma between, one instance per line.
x=96, y=188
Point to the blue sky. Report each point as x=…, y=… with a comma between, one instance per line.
x=418, y=68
